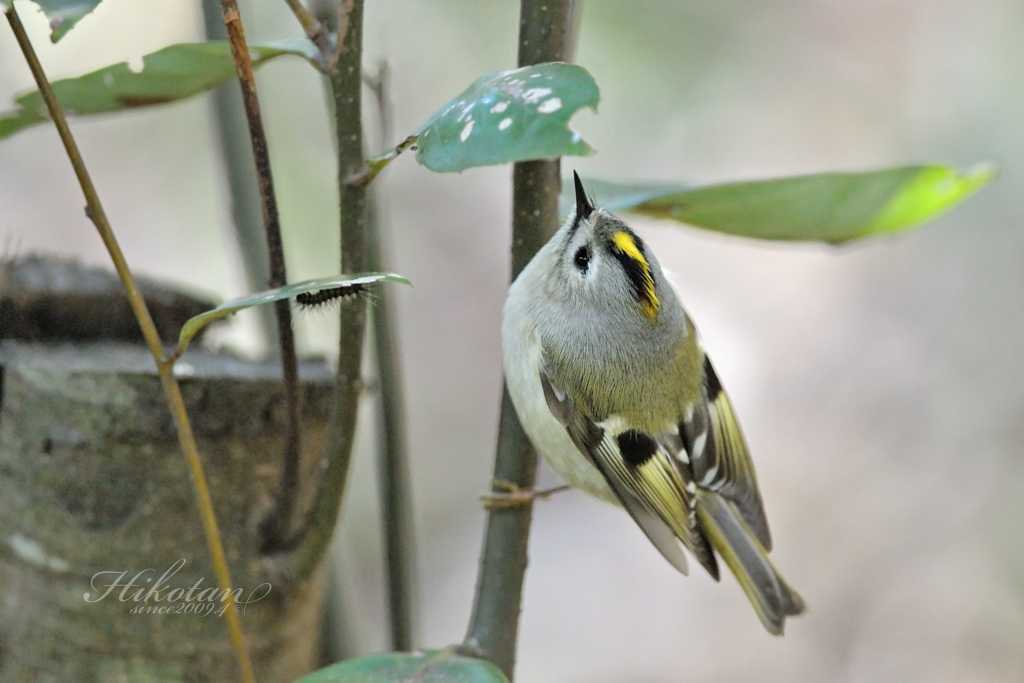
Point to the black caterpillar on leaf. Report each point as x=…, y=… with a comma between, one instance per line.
x=325, y=296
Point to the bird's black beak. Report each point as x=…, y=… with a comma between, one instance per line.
x=583, y=206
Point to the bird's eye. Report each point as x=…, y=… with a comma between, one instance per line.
x=582, y=258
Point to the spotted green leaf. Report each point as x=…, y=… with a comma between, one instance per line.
x=192, y=327
x=421, y=667
x=62, y=14
x=173, y=73
x=828, y=207
x=509, y=116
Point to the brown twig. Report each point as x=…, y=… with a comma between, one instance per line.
x=243, y=185
x=276, y=527
x=95, y=212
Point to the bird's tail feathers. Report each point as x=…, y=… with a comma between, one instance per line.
x=773, y=599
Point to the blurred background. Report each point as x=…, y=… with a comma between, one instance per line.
x=880, y=384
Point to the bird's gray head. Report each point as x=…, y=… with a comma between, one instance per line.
x=609, y=324
x=602, y=264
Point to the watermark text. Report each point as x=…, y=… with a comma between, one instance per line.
x=163, y=598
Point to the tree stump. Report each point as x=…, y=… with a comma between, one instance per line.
x=104, y=568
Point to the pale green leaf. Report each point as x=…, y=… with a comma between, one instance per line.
x=173, y=73
x=192, y=327
x=828, y=207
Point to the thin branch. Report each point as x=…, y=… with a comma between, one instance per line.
x=276, y=526
x=494, y=625
x=315, y=31
x=301, y=555
x=95, y=212
x=393, y=469
x=246, y=207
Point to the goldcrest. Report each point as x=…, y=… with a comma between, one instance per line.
x=613, y=387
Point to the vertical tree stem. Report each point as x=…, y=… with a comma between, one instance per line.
x=392, y=457
x=394, y=475
x=493, y=629
x=310, y=544
x=275, y=528
x=94, y=210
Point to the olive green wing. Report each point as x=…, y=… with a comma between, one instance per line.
x=719, y=458
x=646, y=478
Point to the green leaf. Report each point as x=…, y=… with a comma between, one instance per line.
x=168, y=75
x=192, y=327
x=62, y=14
x=431, y=666
x=828, y=207
x=509, y=116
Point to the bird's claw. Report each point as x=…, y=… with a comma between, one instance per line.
x=511, y=495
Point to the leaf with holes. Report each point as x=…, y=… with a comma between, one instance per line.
x=438, y=666
x=352, y=283
x=509, y=116
x=173, y=73
x=828, y=207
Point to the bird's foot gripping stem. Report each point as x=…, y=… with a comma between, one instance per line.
x=509, y=495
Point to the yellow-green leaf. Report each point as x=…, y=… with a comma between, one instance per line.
x=827, y=207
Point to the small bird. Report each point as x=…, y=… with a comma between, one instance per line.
x=612, y=385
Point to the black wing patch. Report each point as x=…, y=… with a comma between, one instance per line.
x=636, y=447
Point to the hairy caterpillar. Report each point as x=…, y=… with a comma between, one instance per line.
x=324, y=296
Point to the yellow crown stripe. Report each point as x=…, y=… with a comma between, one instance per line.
x=649, y=300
